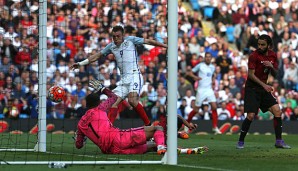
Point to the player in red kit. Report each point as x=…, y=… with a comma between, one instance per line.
x=258, y=94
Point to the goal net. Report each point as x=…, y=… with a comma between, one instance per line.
x=34, y=130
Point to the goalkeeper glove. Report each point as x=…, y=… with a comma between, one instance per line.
x=76, y=136
x=96, y=85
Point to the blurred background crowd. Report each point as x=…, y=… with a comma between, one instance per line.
x=228, y=29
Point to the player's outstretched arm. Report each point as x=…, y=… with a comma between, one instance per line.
x=154, y=43
x=188, y=124
x=87, y=61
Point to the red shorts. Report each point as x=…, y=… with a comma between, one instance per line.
x=130, y=141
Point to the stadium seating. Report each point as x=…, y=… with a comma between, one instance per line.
x=229, y=33
x=195, y=5
x=208, y=12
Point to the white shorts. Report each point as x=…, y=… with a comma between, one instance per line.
x=205, y=95
x=128, y=84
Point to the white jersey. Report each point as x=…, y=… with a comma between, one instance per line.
x=205, y=72
x=125, y=54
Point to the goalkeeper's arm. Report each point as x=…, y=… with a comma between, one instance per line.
x=80, y=139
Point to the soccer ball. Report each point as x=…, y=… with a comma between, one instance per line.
x=56, y=94
x=14, y=112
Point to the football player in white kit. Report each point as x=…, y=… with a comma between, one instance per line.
x=205, y=71
x=126, y=56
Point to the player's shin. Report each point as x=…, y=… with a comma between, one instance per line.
x=214, y=118
x=244, y=129
x=191, y=115
x=160, y=141
x=141, y=112
x=159, y=137
x=277, y=123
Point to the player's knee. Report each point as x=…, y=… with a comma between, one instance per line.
x=275, y=110
x=133, y=101
x=277, y=113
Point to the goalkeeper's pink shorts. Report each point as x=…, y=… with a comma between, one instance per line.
x=130, y=141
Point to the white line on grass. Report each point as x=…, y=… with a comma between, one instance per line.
x=113, y=158
x=204, y=167
x=91, y=156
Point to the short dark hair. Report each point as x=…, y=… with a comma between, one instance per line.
x=118, y=28
x=92, y=100
x=208, y=53
x=267, y=38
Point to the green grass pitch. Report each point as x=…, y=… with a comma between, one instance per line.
x=259, y=154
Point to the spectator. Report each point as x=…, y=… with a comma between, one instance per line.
x=265, y=115
x=154, y=111
x=184, y=87
x=13, y=72
x=113, y=12
x=22, y=56
x=13, y=109
x=62, y=56
x=182, y=64
x=294, y=116
x=32, y=102
x=204, y=112
x=290, y=78
x=8, y=49
x=182, y=107
x=239, y=80
x=152, y=94
x=224, y=62
x=194, y=46
x=80, y=92
x=287, y=112
x=71, y=111
x=223, y=113
x=81, y=110
x=234, y=89
x=239, y=31
x=238, y=116
x=17, y=92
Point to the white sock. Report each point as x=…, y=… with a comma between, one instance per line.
x=161, y=147
x=184, y=150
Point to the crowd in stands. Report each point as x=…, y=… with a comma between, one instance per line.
x=228, y=29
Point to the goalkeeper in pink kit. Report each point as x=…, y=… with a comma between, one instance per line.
x=111, y=140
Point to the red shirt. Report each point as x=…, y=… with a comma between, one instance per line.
x=255, y=62
x=147, y=59
x=26, y=24
x=231, y=108
x=21, y=57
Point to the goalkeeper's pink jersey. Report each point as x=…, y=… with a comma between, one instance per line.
x=96, y=125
